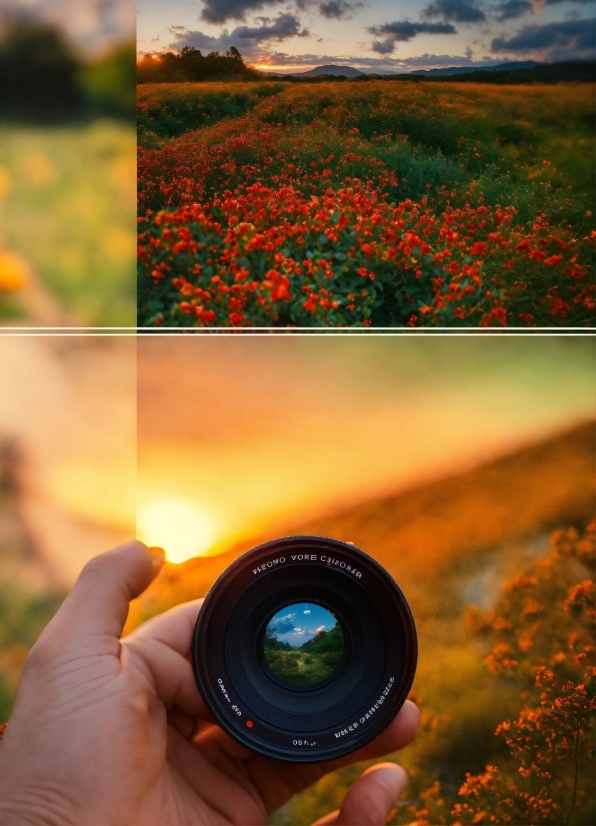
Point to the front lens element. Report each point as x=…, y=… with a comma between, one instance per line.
x=303, y=644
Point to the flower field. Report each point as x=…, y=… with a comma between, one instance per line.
x=365, y=204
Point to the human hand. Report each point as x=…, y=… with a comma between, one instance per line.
x=104, y=730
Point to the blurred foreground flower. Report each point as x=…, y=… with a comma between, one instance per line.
x=14, y=271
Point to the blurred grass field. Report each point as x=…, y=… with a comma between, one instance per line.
x=67, y=197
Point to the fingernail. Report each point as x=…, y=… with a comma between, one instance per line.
x=158, y=557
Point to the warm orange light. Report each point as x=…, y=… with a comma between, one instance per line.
x=179, y=526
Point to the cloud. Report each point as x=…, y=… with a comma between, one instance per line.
x=511, y=9
x=461, y=11
x=284, y=625
x=320, y=629
x=565, y=40
x=402, y=31
x=93, y=24
x=381, y=64
x=307, y=611
x=338, y=8
x=219, y=11
x=247, y=39
x=284, y=26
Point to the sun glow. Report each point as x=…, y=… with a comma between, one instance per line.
x=178, y=526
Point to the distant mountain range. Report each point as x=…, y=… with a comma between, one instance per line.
x=330, y=69
x=350, y=71
x=462, y=70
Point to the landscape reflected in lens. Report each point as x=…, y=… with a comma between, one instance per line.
x=303, y=644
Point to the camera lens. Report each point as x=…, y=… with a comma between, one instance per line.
x=298, y=649
x=305, y=649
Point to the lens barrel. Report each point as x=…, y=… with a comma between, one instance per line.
x=305, y=723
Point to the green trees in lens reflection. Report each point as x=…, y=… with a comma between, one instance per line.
x=309, y=664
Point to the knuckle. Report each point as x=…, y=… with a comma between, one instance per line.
x=93, y=567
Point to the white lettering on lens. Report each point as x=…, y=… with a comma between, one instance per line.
x=379, y=702
x=269, y=564
x=223, y=689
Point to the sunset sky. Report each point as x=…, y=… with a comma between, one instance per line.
x=239, y=434
x=382, y=35
x=91, y=24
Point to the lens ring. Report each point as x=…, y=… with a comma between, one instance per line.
x=340, y=714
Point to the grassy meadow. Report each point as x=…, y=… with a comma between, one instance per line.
x=368, y=203
x=66, y=211
x=309, y=663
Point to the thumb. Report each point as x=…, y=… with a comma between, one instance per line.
x=98, y=601
x=370, y=799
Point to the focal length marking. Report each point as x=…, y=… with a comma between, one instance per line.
x=327, y=560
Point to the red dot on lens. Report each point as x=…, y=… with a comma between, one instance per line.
x=249, y=723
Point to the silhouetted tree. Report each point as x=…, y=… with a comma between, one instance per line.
x=189, y=64
x=39, y=73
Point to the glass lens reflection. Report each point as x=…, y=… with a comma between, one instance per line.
x=303, y=644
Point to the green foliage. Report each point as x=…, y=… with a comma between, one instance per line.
x=44, y=80
x=109, y=82
x=313, y=662
x=40, y=74
x=190, y=65
x=170, y=110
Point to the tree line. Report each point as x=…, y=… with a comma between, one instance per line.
x=189, y=64
x=44, y=79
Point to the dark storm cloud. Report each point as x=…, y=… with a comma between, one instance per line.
x=338, y=8
x=460, y=11
x=286, y=25
x=245, y=38
x=563, y=40
x=511, y=9
x=516, y=8
x=218, y=11
x=403, y=30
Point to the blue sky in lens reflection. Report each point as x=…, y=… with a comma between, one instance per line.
x=383, y=35
x=299, y=623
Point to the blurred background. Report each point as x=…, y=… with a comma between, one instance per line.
x=67, y=162
x=452, y=461
x=67, y=475
x=249, y=434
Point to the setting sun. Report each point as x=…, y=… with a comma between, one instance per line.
x=179, y=526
